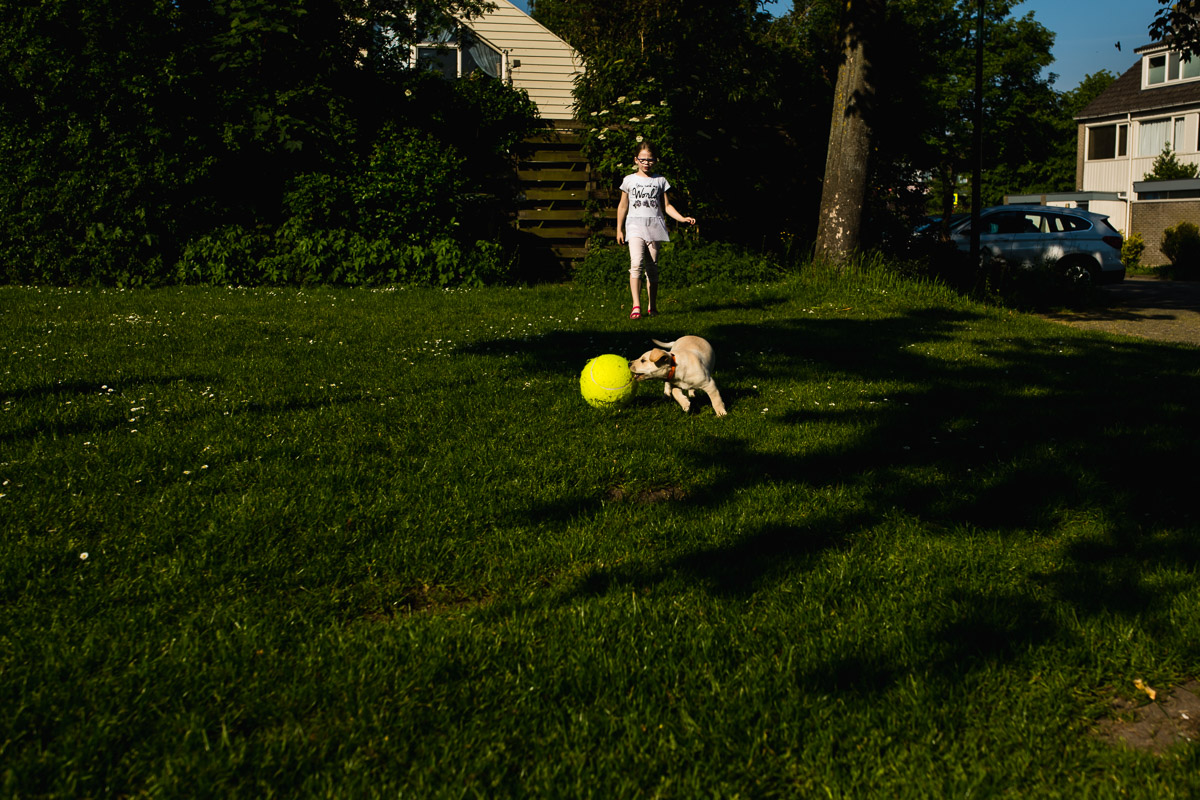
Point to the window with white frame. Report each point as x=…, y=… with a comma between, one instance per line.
x=456, y=54
x=1165, y=68
x=1107, y=141
x=1157, y=135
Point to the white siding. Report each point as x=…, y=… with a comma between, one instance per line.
x=548, y=64
x=1106, y=176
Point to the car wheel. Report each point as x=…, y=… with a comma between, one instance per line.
x=1078, y=273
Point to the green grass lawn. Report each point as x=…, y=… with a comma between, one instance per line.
x=373, y=543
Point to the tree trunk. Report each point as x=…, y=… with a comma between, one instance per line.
x=846, y=163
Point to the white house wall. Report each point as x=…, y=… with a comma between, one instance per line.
x=1119, y=174
x=548, y=64
x=1107, y=176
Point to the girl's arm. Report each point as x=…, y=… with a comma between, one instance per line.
x=622, y=210
x=670, y=209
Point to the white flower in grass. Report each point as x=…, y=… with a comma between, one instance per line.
x=83, y=556
x=621, y=99
x=639, y=138
x=635, y=119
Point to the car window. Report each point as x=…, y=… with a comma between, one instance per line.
x=1073, y=224
x=1026, y=223
x=1005, y=222
x=1061, y=223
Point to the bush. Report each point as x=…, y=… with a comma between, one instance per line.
x=238, y=142
x=1132, y=250
x=682, y=263
x=233, y=256
x=228, y=256
x=413, y=187
x=1181, y=244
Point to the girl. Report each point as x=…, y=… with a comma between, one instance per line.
x=640, y=223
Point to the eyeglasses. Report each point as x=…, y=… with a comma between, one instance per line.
x=646, y=160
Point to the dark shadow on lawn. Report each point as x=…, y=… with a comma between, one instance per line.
x=992, y=628
x=99, y=420
x=1022, y=437
x=102, y=420
x=738, y=568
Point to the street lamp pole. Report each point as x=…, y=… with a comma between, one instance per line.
x=977, y=154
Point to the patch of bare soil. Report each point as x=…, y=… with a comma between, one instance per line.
x=1167, y=720
x=423, y=599
x=647, y=496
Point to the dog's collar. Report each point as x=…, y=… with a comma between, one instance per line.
x=671, y=371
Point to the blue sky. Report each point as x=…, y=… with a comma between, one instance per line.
x=1087, y=32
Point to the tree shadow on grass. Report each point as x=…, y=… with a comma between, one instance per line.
x=1026, y=436
x=737, y=568
x=100, y=421
x=992, y=628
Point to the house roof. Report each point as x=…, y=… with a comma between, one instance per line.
x=1126, y=95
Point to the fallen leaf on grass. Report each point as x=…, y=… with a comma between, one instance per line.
x=1141, y=685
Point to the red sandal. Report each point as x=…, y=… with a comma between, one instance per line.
x=636, y=313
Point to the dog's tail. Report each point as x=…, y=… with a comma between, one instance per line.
x=666, y=345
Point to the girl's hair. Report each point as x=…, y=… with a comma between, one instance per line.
x=643, y=146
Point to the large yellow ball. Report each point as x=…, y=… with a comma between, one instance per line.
x=606, y=381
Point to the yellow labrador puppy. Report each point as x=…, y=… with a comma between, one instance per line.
x=685, y=364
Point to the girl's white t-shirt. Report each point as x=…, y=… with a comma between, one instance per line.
x=644, y=219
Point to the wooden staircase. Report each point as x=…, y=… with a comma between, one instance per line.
x=556, y=183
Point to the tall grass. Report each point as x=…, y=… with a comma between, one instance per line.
x=373, y=543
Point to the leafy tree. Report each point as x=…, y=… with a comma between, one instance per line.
x=772, y=88
x=1056, y=171
x=1020, y=107
x=1178, y=21
x=705, y=83
x=922, y=74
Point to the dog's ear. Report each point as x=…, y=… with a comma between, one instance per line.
x=661, y=357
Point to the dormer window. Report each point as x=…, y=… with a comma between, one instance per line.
x=1165, y=68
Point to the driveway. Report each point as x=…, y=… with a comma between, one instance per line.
x=1167, y=311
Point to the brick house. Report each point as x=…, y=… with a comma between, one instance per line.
x=1154, y=105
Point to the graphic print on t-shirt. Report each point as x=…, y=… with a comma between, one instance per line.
x=644, y=196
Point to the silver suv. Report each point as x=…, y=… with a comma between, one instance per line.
x=1080, y=245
